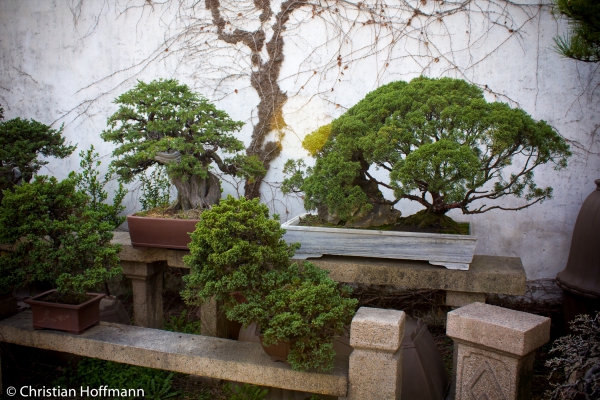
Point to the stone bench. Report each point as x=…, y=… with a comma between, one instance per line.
x=376, y=336
x=487, y=274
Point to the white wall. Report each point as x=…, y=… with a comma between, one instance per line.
x=64, y=61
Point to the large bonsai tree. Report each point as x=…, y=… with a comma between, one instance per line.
x=164, y=122
x=21, y=142
x=439, y=143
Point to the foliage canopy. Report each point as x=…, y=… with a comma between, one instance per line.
x=21, y=142
x=164, y=122
x=583, y=41
x=439, y=142
x=56, y=237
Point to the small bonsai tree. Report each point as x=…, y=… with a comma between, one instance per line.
x=576, y=370
x=56, y=237
x=21, y=142
x=301, y=305
x=234, y=245
x=164, y=122
x=439, y=142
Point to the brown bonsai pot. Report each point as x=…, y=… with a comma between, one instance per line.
x=65, y=317
x=279, y=351
x=8, y=305
x=168, y=233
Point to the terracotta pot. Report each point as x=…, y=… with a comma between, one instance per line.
x=279, y=351
x=165, y=233
x=8, y=305
x=65, y=317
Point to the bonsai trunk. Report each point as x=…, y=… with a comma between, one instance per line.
x=194, y=192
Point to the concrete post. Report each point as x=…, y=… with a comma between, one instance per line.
x=147, y=284
x=376, y=362
x=494, y=351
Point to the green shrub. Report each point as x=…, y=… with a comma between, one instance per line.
x=183, y=323
x=55, y=237
x=21, y=142
x=156, y=189
x=300, y=303
x=234, y=245
x=440, y=143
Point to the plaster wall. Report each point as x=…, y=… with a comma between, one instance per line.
x=64, y=61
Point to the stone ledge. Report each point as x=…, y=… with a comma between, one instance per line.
x=498, y=328
x=190, y=354
x=487, y=274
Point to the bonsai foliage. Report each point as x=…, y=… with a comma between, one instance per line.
x=234, y=245
x=56, y=236
x=301, y=305
x=577, y=365
x=21, y=142
x=89, y=183
x=439, y=143
x=164, y=122
x=583, y=41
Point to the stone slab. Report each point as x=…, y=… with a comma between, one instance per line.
x=487, y=274
x=377, y=329
x=459, y=299
x=190, y=354
x=498, y=328
x=375, y=375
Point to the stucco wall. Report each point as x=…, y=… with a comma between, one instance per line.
x=64, y=61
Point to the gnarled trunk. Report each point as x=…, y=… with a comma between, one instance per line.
x=194, y=192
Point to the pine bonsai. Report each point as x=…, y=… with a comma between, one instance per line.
x=55, y=237
x=164, y=122
x=21, y=142
x=583, y=40
x=439, y=142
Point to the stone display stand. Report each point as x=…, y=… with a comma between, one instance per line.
x=375, y=370
x=494, y=351
x=487, y=274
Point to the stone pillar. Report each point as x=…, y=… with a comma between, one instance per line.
x=212, y=320
x=147, y=284
x=376, y=362
x=494, y=351
x=458, y=299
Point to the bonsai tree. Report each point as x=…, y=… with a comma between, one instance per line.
x=303, y=306
x=56, y=237
x=438, y=142
x=234, y=245
x=164, y=122
x=21, y=142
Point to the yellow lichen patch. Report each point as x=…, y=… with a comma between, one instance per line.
x=314, y=141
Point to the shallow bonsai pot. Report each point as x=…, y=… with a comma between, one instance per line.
x=8, y=305
x=168, y=233
x=65, y=317
x=450, y=251
x=277, y=352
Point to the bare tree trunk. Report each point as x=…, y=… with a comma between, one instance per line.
x=194, y=192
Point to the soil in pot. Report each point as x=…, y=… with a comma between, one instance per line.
x=65, y=317
x=403, y=225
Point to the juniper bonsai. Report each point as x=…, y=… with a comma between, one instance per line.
x=164, y=122
x=55, y=237
x=21, y=142
x=439, y=142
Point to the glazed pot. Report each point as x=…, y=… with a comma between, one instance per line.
x=450, y=251
x=65, y=317
x=279, y=351
x=168, y=233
